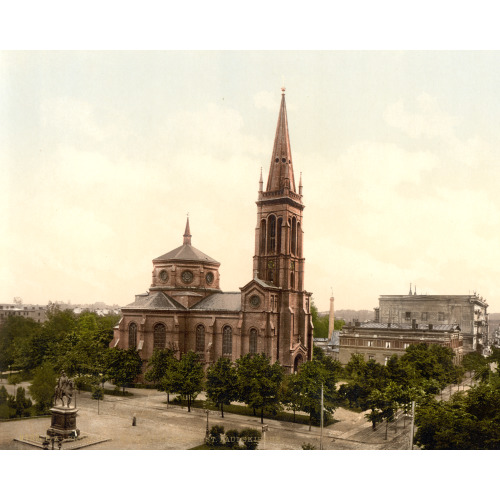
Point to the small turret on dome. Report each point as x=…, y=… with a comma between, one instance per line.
x=187, y=234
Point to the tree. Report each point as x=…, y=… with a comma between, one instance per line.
x=188, y=378
x=14, y=334
x=259, y=383
x=312, y=376
x=161, y=370
x=124, y=366
x=222, y=383
x=290, y=393
x=22, y=403
x=42, y=386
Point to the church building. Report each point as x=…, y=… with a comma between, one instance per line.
x=185, y=310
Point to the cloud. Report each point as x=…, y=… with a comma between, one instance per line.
x=265, y=100
x=424, y=119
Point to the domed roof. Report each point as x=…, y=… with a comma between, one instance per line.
x=186, y=251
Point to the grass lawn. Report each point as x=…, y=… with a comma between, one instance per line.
x=282, y=416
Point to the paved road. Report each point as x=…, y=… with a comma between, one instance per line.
x=173, y=428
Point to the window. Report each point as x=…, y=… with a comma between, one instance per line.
x=132, y=335
x=387, y=345
x=407, y=315
x=441, y=316
x=425, y=316
x=371, y=356
x=370, y=343
x=271, y=234
x=406, y=345
x=159, y=336
x=200, y=338
x=386, y=360
x=227, y=341
x=253, y=341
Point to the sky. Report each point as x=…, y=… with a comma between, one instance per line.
x=104, y=153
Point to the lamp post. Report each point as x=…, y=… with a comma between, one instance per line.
x=321, y=428
x=265, y=428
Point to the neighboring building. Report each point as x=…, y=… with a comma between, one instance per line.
x=379, y=341
x=468, y=311
x=36, y=313
x=185, y=309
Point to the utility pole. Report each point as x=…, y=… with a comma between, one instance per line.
x=412, y=423
x=321, y=428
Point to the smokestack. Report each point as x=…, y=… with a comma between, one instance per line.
x=331, y=320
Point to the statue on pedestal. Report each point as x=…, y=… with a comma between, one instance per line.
x=64, y=388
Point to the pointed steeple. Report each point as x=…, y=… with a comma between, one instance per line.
x=187, y=233
x=281, y=170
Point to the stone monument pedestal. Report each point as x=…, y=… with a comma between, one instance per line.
x=63, y=423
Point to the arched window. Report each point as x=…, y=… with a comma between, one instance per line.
x=253, y=341
x=292, y=280
x=271, y=234
x=278, y=235
x=132, y=335
x=200, y=338
x=294, y=235
x=263, y=236
x=299, y=240
x=159, y=336
x=227, y=341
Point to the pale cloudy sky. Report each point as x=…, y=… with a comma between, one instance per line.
x=103, y=154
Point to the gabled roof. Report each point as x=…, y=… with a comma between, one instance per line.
x=261, y=283
x=224, y=301
x=155, y=300
x=281, y=170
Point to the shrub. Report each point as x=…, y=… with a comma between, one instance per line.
x=232, y=439
x=97, y=393
x=308, y=446
x=250, y=438
x=215, y=437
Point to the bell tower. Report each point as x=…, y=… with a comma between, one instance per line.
x=279, y=259
x=278, y=236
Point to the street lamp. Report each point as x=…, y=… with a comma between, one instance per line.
x=265, y=428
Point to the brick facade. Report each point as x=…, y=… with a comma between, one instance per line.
x=185, y=309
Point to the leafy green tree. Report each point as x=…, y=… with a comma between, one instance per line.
x=290, y=393
x=42, y=386
x=15, y=333
x=124, y=366
x=22, y=403
x=222, y=383
x=321, y=372
x=7, y=404
x=161, y=371
x=188, y=377
x=259, y=383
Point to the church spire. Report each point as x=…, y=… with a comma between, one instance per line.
x=281, y=170
x=187, y=233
